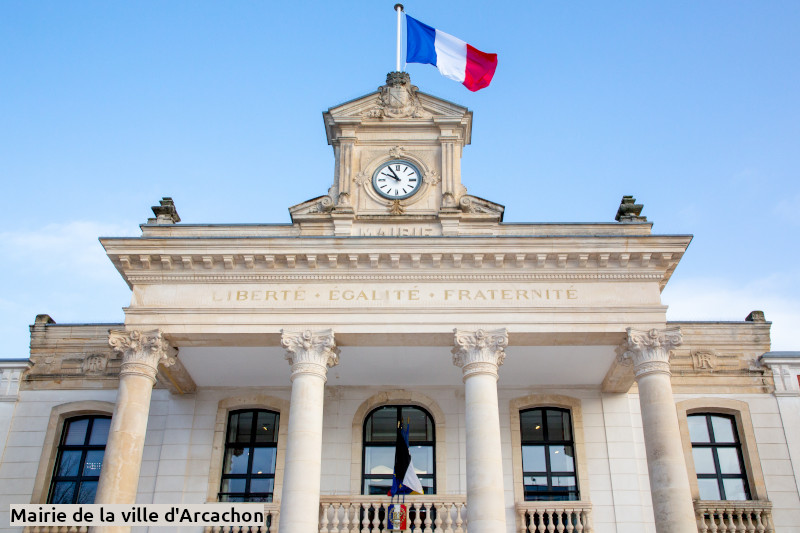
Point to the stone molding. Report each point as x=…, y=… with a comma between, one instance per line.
x=479, y=351
x=398, y=397
x=576, y=412
x=55, y=427
x=310, y=352
x=141, y=351
x=747, y=438
x=235, y=403
x=648, y=351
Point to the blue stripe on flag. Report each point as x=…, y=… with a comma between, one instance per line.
x=420, y=41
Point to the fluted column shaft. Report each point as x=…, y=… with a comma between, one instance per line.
x=669, y=482
x=142, y=352
x=310, y=354
x=479, y=354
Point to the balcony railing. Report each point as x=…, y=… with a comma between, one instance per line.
x=752, y=516
x=271, y=511
x=368, y=514
x=558, y=517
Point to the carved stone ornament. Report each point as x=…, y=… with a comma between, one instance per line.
x=396, y=208
x=432, y=177
x=344, y=200
x=142, y=351
x=649, y=350
x=310, y=352
x=475, y=205
x=704, y=359
x=397, y=99
x=480, y=351
x=396, y=151
x=362, y=179
x=94, y=364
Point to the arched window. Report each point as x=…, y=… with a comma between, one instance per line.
x=380, y=435
x=248, y=468
x=548, y=455
x=80, y=456
x=717, y=454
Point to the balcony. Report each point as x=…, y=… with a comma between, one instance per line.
x=558, y=517
x=362, y=514
x=752, y=516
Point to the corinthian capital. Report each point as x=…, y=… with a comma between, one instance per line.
x=649, y=350
x=142, y=351
x=310, y=352
x=480, y=351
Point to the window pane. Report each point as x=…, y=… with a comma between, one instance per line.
x=379, y=460
x=94, y=460
x=533, y=459
x=100, y=428
x=734, y=489
x=422, y=457
x=231, y=498
x=564, y=483
x=263, y=461
x=698, y=428
x=76, y=432
x=379, y=486
x=236, y=460
x=531, y=425
x=382, y=426
x=418, y=422
x=63, y=492
x=703, y=461
x=728, y=461
x=262, y=484
x=241, y=427
x=709, y=489
x=561, y=459
x=233, y=485
x=87, y=492
x=535, y=484
x=723, y=429
x=558, y=426
x=267, y=427
x=70, y=464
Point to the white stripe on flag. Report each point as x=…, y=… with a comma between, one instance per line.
x=451, y=56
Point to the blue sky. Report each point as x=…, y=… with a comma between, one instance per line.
x=692, y=107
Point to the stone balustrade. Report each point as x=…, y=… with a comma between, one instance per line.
x=559, y=517
x=365, y=514
x=752, y=516
x=271, y=511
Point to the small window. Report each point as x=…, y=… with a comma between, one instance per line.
x=717, y=454
x=548, y=455
x=380, y=435
x=80, y=457
x=251, y=446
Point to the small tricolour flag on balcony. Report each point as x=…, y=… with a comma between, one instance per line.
x=404, y=478
x=454, y=58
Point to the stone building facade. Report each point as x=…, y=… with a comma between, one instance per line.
x=544, y=388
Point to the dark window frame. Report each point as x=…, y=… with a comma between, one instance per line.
x=364, y=444
x=550, y=494
x=83, y=449
x=714, y=446
x=252, y=443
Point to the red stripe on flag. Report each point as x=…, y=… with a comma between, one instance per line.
x=480, y=68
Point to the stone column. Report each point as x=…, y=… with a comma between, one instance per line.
x=669, y=482
x=141, y=351
x=478, y=354
x=310, y=354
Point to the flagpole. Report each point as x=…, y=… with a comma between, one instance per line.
x=399, y=9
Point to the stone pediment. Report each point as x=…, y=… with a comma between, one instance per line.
x=398, y=100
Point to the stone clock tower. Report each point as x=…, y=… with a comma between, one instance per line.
x=422, y=137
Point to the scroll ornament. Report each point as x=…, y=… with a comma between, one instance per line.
x=310, y=352
x=649, y=350
x=480, y=351
x=142, y=351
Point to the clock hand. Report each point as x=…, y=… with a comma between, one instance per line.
x=393, y=174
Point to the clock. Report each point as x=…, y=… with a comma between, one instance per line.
x=397, y=179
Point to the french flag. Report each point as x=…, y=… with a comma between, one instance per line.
x=454, y=58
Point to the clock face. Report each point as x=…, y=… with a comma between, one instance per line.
x=397, y=179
